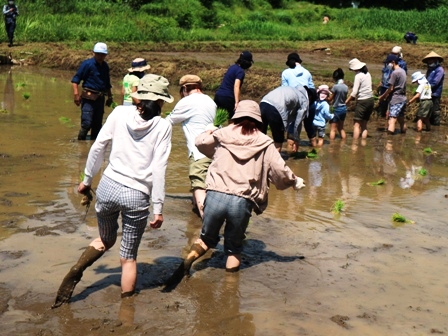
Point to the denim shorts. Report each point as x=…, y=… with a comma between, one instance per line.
x=320, y=131
x=235, y=211
x=113, y=198
x=397, y=110
x=340, y=113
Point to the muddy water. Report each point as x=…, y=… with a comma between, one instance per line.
x=362, y=274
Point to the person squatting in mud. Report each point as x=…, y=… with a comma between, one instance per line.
x=195, y=111
x=95, y=77
x=245, y=161
x=136, y=172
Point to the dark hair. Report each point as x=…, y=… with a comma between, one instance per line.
x=338, y=74
x=364, y=69
x=149, y=109
x=291, y=63
x=248, y=125
x=139, y=74
x=312, y=95
x=244, y=63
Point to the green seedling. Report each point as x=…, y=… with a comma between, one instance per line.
x=221, y=117
x=3, y=111
x=427, y=150
x=81, y=176
x=65, y=120
x=377, y=183
x=26, y=95
x=338, y=207
x=423, y=172
x=113, y=105
x=398, y=218
x=20, y=85
x=312, y=154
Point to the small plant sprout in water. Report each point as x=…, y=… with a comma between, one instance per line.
x=20, y=85
x=221, y=117
x=377, y=183
x=312, y=154
x=26, y=95
x=398, y=218
x=423, y=172
x=113, y=105
x=338, y=207
x=427, y=150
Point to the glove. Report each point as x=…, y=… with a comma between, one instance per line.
x=300, y=183
x=211, y=127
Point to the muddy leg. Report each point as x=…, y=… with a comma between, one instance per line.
x=65, y=291
x=196, y=251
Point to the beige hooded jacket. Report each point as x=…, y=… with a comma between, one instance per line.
x=244, y=165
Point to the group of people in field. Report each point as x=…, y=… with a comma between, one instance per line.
x=230, y=168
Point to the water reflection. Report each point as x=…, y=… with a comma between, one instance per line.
x=8, y=94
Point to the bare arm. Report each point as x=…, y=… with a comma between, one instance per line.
x=236, y=92
x=76, y=97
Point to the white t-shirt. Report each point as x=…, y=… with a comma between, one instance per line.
x=424, y=88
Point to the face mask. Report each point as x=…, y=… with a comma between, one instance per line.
x=390, y=66
x=433, y=64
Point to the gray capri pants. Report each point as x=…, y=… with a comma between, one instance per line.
x=114, y=198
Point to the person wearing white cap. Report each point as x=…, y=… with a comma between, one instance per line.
x=397, y=89
x=195, y=111
x=132, y=78
x=362, y=92
x=435, y=75
x=398, y=51
x=245, y=162
x=140, y=143
x=423, y=95
x=95, y=77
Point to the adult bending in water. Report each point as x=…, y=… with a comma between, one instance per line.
x=245, y=161
x=140, y=146
x=228, y=94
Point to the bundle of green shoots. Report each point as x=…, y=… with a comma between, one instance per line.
x=338, y=207
x=312, y=154
x=377, y=183
x=398, y=218
x=221, y=117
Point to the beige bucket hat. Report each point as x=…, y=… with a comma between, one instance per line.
x=153, y=87
x=248, y=108
x=355, y=64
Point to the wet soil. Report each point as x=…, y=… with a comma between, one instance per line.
x=363, y=274
x=210, y=60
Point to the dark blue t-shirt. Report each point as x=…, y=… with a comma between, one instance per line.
x=95, y=76
x=233, y=73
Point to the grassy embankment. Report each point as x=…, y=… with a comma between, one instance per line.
x=173, y=20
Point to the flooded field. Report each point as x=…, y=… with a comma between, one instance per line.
x=363, y=274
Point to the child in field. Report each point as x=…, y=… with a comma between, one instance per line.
x=423, y=94
x=339, y=95
x=322, y=113
x=130, y=81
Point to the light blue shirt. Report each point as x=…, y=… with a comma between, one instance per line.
x=297, y=76
x=322, y=113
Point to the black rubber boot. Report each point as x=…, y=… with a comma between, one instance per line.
x=185, y=266
x=67, y=286
x=82, y=135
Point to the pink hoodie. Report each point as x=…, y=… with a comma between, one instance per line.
x=244, y=165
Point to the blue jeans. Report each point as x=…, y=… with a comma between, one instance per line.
x=235, y=211
x=92, y=112
x=340, y=113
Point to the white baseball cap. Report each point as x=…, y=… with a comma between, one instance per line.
x=100, y=48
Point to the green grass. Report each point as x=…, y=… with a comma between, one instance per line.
x=338, y=207
x=422, y=172
x=172, y=20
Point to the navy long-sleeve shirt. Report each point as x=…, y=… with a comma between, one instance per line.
x=95, y=76
x=435, y=78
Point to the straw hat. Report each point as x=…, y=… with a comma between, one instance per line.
x=153, y=87
x=432, y=54
x=138, y=65
x=355, y=64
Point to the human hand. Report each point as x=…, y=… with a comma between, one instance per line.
x=77, y=100
x=82, y=188
x=157, y=222
x=300, y=183
x=109, y=101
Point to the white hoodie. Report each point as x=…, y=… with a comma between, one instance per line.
x=139, y=153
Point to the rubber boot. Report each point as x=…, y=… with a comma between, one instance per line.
x=82, y=135
x=67, y=286
x=196, y=251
